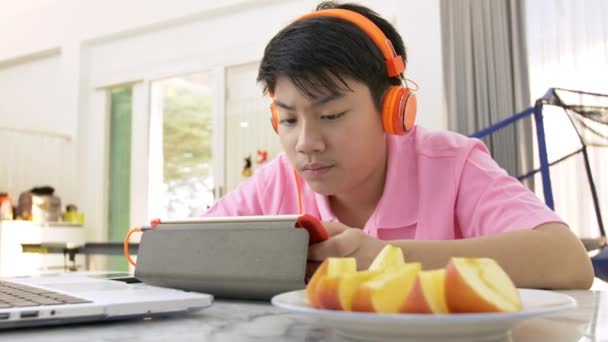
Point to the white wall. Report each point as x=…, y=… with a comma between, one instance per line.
x=28, y=113
x=110, y=42
x=36, y=134
x=50, y=24
x=419, y=23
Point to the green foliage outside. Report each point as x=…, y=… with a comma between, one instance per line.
x=187, y=148
x=187, y=134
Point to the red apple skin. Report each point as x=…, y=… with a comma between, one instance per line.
x=461, y=298
x=327, y=293
x=415, y=302
x=362, y=300
x=311, y=288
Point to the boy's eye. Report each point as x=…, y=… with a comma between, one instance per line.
x=332, y=116
x=288, y=121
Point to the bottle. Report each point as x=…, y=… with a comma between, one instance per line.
x=6, y=207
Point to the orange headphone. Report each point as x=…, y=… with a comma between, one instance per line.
x=399, y=102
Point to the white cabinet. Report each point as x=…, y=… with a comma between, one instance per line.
x=13, y=233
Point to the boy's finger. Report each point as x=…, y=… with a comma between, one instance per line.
x=334, y=228
x=319, y=251
x=337, y=246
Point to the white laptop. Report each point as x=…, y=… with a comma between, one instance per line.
x=82, y=297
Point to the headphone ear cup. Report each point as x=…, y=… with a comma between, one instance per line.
x=409, y=112
x=398, y=110
x=274, y=118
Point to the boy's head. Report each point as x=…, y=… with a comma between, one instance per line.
x=328, y=79
x=318, y=54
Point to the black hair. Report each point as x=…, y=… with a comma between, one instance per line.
x=318, y=53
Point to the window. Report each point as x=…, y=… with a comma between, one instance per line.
x=181, y=145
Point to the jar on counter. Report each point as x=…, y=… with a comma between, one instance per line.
x=46, y=208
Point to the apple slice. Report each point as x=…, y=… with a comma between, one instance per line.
x=311, y=287
x=339, y=290
x=389, y=257
x=349, y=285
x=327, y=287
x=427, y=294
x=386, y=292
x=479, y=285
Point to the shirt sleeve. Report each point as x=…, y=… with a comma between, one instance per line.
x=490, y=201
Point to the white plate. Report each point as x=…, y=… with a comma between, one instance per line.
x=423, y=327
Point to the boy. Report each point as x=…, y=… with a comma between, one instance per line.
x=353, y=159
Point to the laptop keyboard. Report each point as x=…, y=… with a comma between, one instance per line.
x=17, y=295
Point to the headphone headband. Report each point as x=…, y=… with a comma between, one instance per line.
x=394, y=62
x=398, y=103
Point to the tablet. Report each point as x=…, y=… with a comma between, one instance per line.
x=246, y=257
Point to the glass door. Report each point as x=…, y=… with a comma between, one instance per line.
x=251, y=142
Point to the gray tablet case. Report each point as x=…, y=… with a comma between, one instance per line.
x=242, y=259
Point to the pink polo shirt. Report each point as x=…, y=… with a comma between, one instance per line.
x=440, y=185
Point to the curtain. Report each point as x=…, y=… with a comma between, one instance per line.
x=568, y=48
x=486, y=75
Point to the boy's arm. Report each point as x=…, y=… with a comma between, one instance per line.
x=549, y=256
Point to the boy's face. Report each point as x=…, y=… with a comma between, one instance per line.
x=336, y=143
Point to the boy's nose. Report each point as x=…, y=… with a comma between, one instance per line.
x=310, y=139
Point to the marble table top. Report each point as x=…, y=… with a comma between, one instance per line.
x=259, y=321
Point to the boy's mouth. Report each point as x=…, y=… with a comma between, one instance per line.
x=314, y=170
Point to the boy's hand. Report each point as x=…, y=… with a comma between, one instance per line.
x=343, y=242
